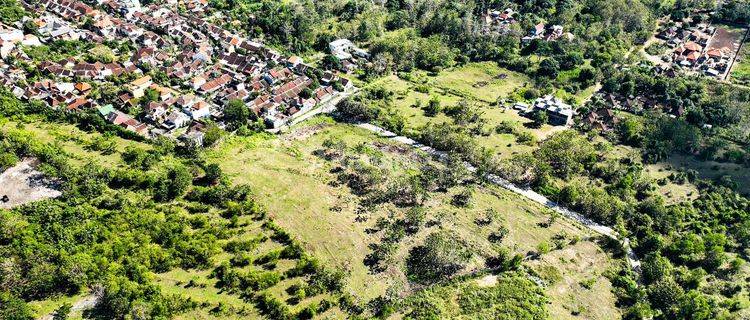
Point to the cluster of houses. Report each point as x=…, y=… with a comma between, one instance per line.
x=540, y=31
x=690, y=49
x=348, y=53
x=636, y=104
x=558, y=112
x=205, y=67
x=603, y=120
x=498, y=21
x=11, y=37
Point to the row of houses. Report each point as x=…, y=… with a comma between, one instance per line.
x=637, y=104
x=552, y=33
x=70, y=68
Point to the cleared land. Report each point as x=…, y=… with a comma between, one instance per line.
x=483, y=81
x=22, y=183
x=727, y=38
x=576, y=285
x=300, y=192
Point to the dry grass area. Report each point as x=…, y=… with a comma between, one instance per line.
x=576, y=286
x=299, y=191
x=22, y=184
x=710, y=170
x=672, y=192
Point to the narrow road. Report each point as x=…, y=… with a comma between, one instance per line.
x=532, y=195
x=327, y=106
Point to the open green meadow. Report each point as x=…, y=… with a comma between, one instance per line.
x=740, y=72
x=302, y=195
x=81, y=146
x=413, y=91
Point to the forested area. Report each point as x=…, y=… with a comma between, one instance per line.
x=712, y=126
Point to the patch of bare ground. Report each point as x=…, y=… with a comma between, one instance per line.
x=23, y=183
x=304, y=133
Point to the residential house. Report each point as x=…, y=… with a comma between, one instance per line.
x=176, y=119
x=138, y=86
x=559, y=113
x=198, y=110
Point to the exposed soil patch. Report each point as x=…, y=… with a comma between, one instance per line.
x=489, y=280
x=727, y=38
x=304, y=133
x=23, y=184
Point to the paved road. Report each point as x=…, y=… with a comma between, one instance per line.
x=526, y=192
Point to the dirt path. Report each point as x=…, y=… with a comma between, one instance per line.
x=532, y=195
x=22, y=184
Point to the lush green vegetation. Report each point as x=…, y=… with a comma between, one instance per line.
x=116, y=228
x=711, y=126
x=741, y=70
x=332, y=221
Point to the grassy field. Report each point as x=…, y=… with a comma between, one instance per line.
x=294, y=187
x=578, y=289
x=297, y=188
x=483, y=81
x=709, y=170
x=452, y=86
x=76, y=142
x=676, y=163
x=740, y=72
x=44, y=307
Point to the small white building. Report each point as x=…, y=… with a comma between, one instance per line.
x=176, y=119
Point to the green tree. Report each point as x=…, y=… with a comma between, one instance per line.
x=433, y=107
x=665, y=294
x=549, y=68
x=655, y=268
x=13, y=308
x=331, y=62
x=212, y=134
x=213, y=173
x=440, y=257
x=62, y=312
x=179, y=180
x=540, y=118
x=236, y=113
